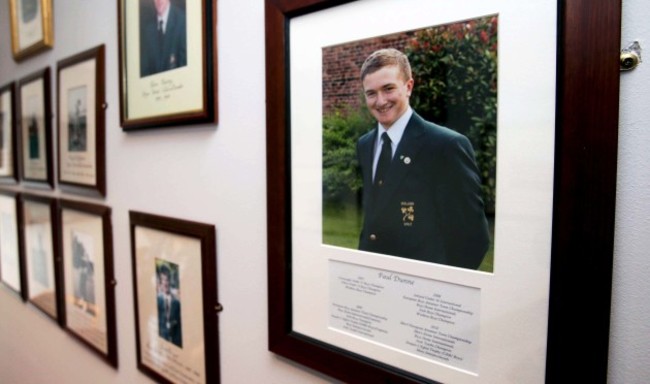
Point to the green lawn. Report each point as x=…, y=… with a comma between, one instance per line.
x=341, y=227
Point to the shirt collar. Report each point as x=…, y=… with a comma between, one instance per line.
x=165, y=16
x=396, y=130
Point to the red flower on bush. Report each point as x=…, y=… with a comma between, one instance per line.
x=484, y=37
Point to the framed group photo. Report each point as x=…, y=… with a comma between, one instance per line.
x=8, y=134
x=88, y=278
x=35, y=113
x=421, y=211
x=31, y=27
x=176, y=308
x=40, y=244
x=12, y=266
x=81, y=121
x=168, y=73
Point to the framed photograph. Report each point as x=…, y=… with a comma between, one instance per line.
x=168, y=65
x=39, y=216
x=81, y=121
x=428, y=193
x=31, y=27
x=12, y=267
x=176, y=307
x=35, y=114
x=8, y=134
x=88, y=281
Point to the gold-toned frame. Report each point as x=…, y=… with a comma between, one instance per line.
x=46, y=40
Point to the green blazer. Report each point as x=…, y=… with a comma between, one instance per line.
x=430, y=206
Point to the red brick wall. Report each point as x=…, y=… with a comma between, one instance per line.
x=341, y=66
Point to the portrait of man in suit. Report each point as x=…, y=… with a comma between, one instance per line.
x=169, y=305
x=83, y=273
x=421, y=186
x=163, y=36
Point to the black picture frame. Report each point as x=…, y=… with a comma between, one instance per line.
x=583, y=207
x=193, y=271
x=81, y=162
x=87, y=274
x=9, y=148
x=154, y=95
x=41, y=222
x=35, y=111
x=9, y=205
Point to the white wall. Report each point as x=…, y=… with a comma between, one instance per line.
x=213, y=174
x=216, y=174
x=630, y=328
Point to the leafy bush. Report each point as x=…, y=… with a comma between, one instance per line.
x=341, y=129
x=455, y=72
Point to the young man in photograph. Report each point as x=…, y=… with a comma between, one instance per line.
x=421, y=186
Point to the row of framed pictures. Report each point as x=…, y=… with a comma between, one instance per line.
x=57, y=255
x=26, y=143
x=168, y=73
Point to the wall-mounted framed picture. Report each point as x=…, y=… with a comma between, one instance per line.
x=35, y=114
x=168, y=65
x=390, y=295
x=176, y=307
x=40, y=245
x=88, y=281
x=12, y=266
x=31, y=27
x=81, y=122
x=8, y=134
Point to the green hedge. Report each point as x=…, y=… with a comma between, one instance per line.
x=455, y=72
x=341, y=129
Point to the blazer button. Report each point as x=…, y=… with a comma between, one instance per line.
x=373, y=237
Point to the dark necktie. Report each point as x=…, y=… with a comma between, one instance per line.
x=384, y=160
x=161, y=38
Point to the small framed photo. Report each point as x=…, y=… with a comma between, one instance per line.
x=168, y=66
x=8, y=135
x=88, y=281
x=81, y=121
x=35, y=116
x=38, y=215
x=176, y=308
x=12, y=270
x=31, y=27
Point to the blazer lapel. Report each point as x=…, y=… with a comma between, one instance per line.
x=404, y=159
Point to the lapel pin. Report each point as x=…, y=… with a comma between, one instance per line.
x=407, y=160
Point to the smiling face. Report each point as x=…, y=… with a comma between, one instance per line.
x=387, y=94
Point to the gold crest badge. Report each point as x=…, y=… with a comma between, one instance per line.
x=408, y=213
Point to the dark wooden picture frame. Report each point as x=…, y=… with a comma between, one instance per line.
x=151, y=239
x=86, y=249
x=154, y=93
x=20, y=287
x=583, y=206
x=81, y=161
x=36, y=20
x=49, y=300
x=9, y=147
x=36, y=163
